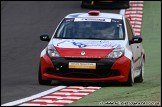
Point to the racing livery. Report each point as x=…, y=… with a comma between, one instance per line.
x=92, y=46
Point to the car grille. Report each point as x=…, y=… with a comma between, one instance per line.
x=84, y=73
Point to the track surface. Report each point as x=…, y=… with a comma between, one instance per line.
x=22, y=22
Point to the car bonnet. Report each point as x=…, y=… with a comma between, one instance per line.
x=85, y=48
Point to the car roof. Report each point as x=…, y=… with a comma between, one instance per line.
x=101, y=15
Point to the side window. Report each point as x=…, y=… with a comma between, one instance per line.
x=129, y=29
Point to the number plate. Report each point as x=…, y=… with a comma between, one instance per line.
x=80, y=65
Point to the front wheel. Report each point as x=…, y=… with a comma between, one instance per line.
x=130, y=80
x=40, y=80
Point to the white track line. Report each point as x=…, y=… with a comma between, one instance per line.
x=133, y=12
x=69, y=93
x=61, y=97
x=33, y=96
x=136, y=4
x=89, y=87
x=41, y=105
x=74, y=90
x=51, y=101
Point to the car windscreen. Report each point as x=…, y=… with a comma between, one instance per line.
x=72, y=28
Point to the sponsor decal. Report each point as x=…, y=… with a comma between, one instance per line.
x=97, y=44
x=81, y=65
x=93, y=19
x=80, y=45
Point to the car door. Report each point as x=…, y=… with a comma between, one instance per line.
x=135, y=47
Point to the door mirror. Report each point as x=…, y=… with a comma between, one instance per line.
x=45, y=37
x=136, y=39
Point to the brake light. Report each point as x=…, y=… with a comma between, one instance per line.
x=94, y=13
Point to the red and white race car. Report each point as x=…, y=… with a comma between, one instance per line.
x=93, y=46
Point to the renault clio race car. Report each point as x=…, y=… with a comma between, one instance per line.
x=104, y=4
x=93, y=46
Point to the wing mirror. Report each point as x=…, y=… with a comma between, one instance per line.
x=45, y=37
x=136, y=39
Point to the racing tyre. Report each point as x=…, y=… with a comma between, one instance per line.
x=141, y=76
x=130, y=76
x=40, y=80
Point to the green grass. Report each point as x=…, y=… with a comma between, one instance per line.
x=150, y=89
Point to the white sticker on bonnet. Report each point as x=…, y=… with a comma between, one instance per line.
x=102, y=44
x=92, y=19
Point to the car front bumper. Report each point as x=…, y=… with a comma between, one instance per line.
x=106, y=69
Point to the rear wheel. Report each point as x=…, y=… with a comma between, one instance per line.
x=40, y=80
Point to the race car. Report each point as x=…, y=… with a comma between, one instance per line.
x=105, y=4
x=93, y=46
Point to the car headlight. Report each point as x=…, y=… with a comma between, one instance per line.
x=52, y=52
x=116, y=53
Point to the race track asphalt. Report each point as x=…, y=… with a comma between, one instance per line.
x=22, y=22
